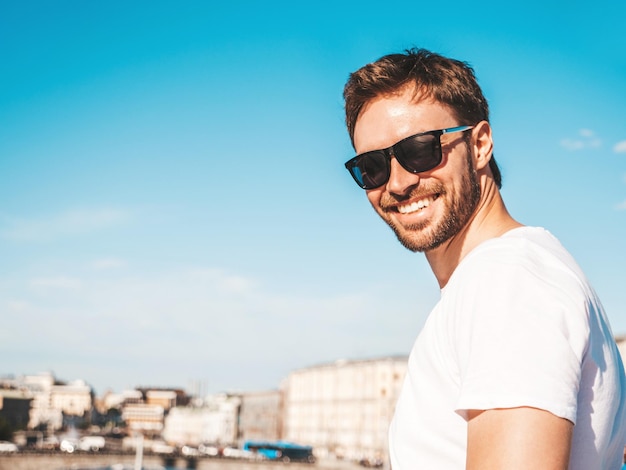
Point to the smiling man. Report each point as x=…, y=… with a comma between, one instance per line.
x=516, y=366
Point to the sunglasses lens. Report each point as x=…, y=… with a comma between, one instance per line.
x=419, y=153
x=370, y=170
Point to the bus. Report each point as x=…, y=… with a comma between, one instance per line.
x=281, y=450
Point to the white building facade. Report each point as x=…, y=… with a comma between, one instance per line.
x=74, y=398
x=216, y=422
x=41, y=411
x=344, y=408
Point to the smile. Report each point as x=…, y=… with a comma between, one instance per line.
x=416, y=206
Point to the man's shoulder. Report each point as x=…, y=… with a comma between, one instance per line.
x=529, y=256
x=523, y=246
x=520, y=240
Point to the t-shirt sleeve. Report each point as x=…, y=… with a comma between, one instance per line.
x=520, y=333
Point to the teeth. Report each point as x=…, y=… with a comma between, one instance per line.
x=415, y=206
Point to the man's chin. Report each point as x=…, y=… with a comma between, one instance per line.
x=412, y=242
x=418, y=240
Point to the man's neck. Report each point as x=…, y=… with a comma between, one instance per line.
x=490, y=220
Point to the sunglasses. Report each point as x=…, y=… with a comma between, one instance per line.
x=417, y=153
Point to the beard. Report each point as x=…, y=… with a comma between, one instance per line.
x=458, y=210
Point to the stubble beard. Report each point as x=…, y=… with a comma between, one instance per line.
x=458, y=211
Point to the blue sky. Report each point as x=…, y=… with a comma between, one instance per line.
x=173, y=202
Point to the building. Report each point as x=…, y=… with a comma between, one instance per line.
x=73, y=399
x=215, y=422
x=164, y=398
x=144, y=410
x=344, y=408
x=41, y=413
x=112, y=400
x=144, y=418
x=186, y=426
x=15, y=408
x=52, y=400
x=260, y=416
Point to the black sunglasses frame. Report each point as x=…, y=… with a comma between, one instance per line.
x=411, y=163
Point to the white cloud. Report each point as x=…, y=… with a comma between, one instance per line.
x=586, y=133
x=621, y=206
x=620, y=147
x=60, y=282
x=570, y=144
x=171, y=326
x=18, y=306
x=587, y=139
x=70, y=223
x=236, y=284
x=109, y=263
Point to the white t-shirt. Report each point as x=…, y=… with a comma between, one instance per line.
x=517, y=325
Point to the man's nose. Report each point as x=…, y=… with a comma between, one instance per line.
x=401, y=182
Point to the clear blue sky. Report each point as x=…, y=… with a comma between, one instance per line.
x=173, y=202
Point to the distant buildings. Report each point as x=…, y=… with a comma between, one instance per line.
x=344, y=408
x=15, y=408
x=143, y=410
x=261, y=416
x=73, y=399
x=214, y=421
x=341, y=409
x=144, y=418
x=52, y=401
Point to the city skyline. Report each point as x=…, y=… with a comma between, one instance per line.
x=174, y=201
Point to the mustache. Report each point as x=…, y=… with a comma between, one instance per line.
x=389, y=201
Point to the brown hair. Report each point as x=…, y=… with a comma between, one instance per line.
x=448, y=81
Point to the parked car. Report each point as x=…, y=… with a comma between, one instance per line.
x=210, y=450
x=91, y=443
x=281, y=450
x=160, y=447
x=50, y=443
x=189, y=451
x=235, y=453
x=68, y=445
x=6, y=446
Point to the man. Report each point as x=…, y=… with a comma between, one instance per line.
x=516, y=366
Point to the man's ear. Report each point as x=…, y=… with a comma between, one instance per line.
x=483, y=144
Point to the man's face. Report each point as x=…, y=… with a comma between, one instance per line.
x=429, y=208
